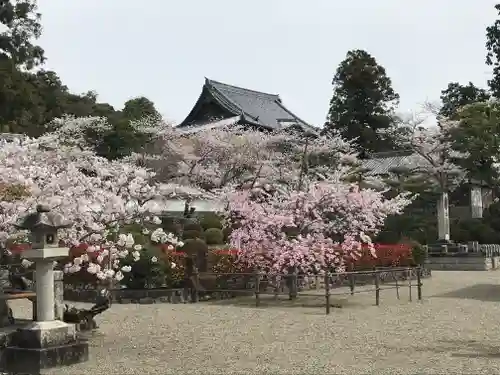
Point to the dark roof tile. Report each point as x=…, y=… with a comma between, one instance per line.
x=255, y=107
x=383, y=164
x=264, y=108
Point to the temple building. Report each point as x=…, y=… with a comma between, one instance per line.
x=221, y=105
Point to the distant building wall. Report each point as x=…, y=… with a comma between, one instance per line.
x=177, y=206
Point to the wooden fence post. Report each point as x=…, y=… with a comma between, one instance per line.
x=409, y=284
x=397, y=286
x=377, y=288
x=327, y=292
x=419, y=283
x=352, y=282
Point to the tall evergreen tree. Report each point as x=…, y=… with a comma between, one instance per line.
x=493, y=54
x=30, y=99
x=456, y=96
x=363, y=102
x=477, y=139
x=137, y=108
x=21, y=26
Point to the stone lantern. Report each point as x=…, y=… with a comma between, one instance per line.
x=43, y=227
x=46, y=342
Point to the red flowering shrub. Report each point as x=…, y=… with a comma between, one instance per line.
x=232, y=252
x=393, y=255
x=225, y=261
x=175, y=266
x=387, y=255
x=18, y=248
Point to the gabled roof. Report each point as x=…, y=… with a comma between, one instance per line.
x=383, y=163
x=254, y=107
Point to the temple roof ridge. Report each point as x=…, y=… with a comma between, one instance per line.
x=257, y=108
x=215, y=83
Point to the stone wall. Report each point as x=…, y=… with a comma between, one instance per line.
x=461, y=263
x=463, y=257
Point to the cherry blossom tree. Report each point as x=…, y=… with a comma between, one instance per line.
x=290, y=192
x=97, y=195
x=316, y=221
x=432, y=160
x=302, y=177
x=314, y=230
x=219, y=157
x=211, y=158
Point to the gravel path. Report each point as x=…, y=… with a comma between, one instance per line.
x=454, y=330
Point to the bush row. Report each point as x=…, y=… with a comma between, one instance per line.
x=208, y=227
x=168, y=270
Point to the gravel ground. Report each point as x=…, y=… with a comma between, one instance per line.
x=454, y=330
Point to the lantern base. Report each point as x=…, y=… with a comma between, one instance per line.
x=43, y=345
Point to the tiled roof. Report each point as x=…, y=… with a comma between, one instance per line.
x=255, y=107
x=384, y=163
x=11, y=136
x=211, y=125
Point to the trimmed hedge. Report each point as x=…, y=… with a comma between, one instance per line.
x=214, y=236
x=192, y=234
x=193, y=227
x=209, y=221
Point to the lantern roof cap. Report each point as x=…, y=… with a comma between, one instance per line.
x=44, y=219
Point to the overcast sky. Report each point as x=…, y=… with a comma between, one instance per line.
x=163, y=49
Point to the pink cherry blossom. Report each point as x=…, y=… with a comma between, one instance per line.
x=330, y=222
x=289, y=192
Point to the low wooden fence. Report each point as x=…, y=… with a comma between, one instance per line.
x=203, y=286
x=262, y=284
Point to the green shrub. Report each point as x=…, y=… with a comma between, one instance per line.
x=171, y=225
x=211, y=220
x=418, y=252
x=173, y=228
x=194, y=245
x=193, y=227
x=467, y=230
x=192, y=234
x=291, y=232
x=197, y=249
x=214, y=236
x=145, y=272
